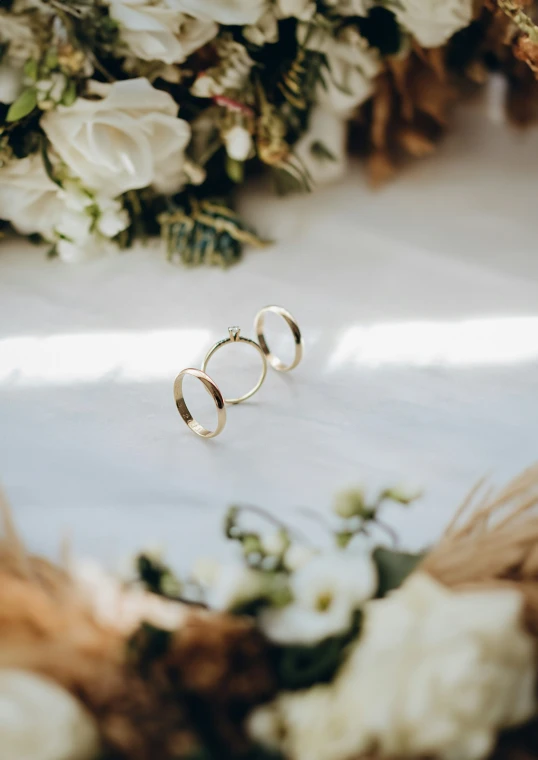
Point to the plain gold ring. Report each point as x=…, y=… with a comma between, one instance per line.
x=184, y=411
x=273, y=360
x=235, y=337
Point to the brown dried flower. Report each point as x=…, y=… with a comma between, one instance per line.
x=213, y=667
x=409, y=109
x=223, y=665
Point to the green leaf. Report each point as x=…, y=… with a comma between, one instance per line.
x=235, y=170
x=30, y=69
x=157, y=577
x=321, y=152
x=401, y=495
x=343, y=538
x=51, y=59
x=206, y=232
x=393, y=568
x=25, y=104
x=49, y=169
x=70, y=93
x=300, y=667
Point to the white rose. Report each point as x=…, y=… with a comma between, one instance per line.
x=156, y=31
x=80, y=223
x=433, y=22
x=326, y=131
x=129, y=139
x=326, y=592
x=351, y=67
x=28, y=198
x=435, y=673
x=236, y=12
x=41, y=721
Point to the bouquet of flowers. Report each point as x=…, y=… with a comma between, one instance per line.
x=335, y=650
x=123, y=118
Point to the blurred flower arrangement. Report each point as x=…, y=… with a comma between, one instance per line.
x=123, y=118
x=296, y=651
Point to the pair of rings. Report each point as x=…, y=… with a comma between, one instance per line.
x=234, y=336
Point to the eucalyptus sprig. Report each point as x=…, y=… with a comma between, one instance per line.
x=358, y=514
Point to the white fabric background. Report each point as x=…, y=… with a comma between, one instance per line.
x=419, y=306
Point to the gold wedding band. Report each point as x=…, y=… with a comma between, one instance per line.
x=273, y=360
x=235, y=337
x=183, y=409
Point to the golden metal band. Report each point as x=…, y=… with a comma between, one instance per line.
x=184, y=411
x=235, y=337
x=273, y=360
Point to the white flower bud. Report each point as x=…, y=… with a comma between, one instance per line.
x=204, y=86
x=58, y=84
x=274, y=543
x=238, y=143
x=349, y=503
x=194, y=173
x=112, y=221
x=10, y=83
x=43, y=86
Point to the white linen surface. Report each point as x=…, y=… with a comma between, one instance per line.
x=419, y=307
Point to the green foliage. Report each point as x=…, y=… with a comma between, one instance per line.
x=399, y=495
x=359, y=515
x=321, y=152
x=157, y=577
x=287, y=181
x=298, y=83
x=206, y=232
x=393, y=567
x=235, y=170
x=47, y=162
x=70, y=93
x=300, y=667
x=252, y=547
x=23, y=106
x=31, y=69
